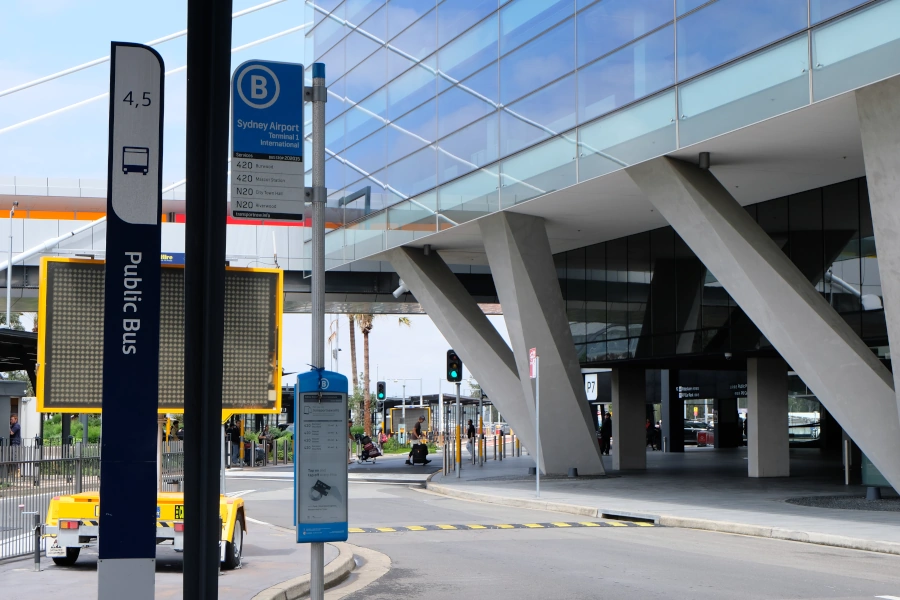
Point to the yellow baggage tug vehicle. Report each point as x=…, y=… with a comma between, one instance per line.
x=73, y=522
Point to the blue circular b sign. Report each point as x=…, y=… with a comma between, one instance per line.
x=263, y=86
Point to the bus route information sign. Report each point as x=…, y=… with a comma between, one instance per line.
x=321, y=447
x=267, y=141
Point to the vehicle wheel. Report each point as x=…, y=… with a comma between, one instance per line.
x=234, y=548
x=69, y=559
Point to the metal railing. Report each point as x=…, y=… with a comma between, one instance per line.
x=32, y=474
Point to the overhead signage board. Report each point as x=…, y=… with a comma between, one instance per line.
x=590, y=386
x=267, y=141
x=130, y=309
x=70, y=338
x=321, y=450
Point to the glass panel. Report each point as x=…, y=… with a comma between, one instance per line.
x=335, y=174
x=633, y=72
x=469, y=197
x=470, y=100
x=840, y=215
x=334, y=134
x=359, y=47
x=414, y=174
x=455, y=16
x=538, y=62
x=638, y=282
x=539, y=170
x=575, y=294
x=412, y=131
x=470, y=52
x=611, y=24
x=805, y=218
x=730, y=28
x=375, y=26
x=334, y=249
x=410, y=221
x=359, y=10
x=334, y=58
x=523, y=20
x=413, y=88
x=336, y=104
x=327, y=34
x=856, y=50
x=368, y=154
x=469, y=148
x=366, y=237
x=637, y=133
x=748, y=91
x=367, y=77
x=683, y=6
x=617, y=293
x=819, y=10
x=537, y=117
x=595, y=306
x=365, y=118
x=417, y=42
x=402, y=13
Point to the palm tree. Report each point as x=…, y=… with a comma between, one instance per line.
x=365, y=326
x=352, y=319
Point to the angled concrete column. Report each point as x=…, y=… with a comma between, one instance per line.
x=629, y=415
x=459, y=319
x=527, y=283
x=824, y=351
x=878, y=106
x=768, y=445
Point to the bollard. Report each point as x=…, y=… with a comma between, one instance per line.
x=495, y=447
x=518, y=447
x=846, y=462
x=252, y=454
x=665, y=444
x=37, y=542
x=502, y=445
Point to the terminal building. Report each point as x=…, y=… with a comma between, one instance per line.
x=690, y=202
x=689, y=198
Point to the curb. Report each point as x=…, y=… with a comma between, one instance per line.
x=335, y=572
x=778, y=533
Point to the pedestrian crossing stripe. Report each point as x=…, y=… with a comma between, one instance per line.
x=486, y=526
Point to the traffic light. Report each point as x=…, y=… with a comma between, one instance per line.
x=454, y=367
x=380, y=390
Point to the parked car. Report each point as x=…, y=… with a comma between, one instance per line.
x=692, y=427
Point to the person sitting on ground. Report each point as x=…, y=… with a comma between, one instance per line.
x=417, y=437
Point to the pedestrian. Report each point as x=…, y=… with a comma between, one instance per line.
x=417, y=437
x=350, y=443
x=15, y=441
x=606, y=432
x=470, y=435
x=234, y=436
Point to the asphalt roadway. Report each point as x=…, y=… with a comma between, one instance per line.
x=573, y=562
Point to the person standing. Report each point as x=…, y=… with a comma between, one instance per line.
x=606, y=432
x=470, y=436
x=234, y=436
x=15, y=441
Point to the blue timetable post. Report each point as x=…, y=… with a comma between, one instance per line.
x=321, y=451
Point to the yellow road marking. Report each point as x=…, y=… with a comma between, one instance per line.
x=533, y=525
x=617, y=524
x=589, y=524
x=505, y=527
x=356, y=530
x=476, y=527
x=385, y=529
x=446, y=527
x=640, y=524
x=560, y=524
x=416, y=528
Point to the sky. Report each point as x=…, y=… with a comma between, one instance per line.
x=395, y=352
x=42, y=37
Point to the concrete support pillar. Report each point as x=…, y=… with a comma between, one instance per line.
x=768, y=445
x=518, y=251
x=629, y=413
x=672, y=409
x=878, y=107
x=459, y=319
x=818, y=344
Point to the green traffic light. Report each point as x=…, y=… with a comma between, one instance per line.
x=453, y=374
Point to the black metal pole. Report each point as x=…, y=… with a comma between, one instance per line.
x=208, y=91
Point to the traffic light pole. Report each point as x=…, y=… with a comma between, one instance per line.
x=458, y=434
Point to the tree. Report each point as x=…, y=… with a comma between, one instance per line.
x=352, y=319
x=15, y=319
x=365, y=323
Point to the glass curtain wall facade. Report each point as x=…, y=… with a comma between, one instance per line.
x=648, y=296
x=447, y=110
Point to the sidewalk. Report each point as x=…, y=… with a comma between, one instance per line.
x=271, y=556
x=701, y=488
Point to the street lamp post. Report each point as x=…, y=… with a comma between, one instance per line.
x=12, y=211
